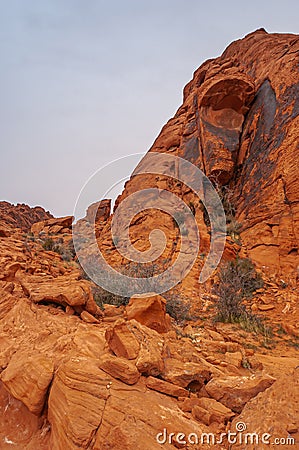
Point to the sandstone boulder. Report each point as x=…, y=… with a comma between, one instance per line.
x=79, y=386
x=76, y=294
x=188, y=375
x=89, y=318
x=165, y=387
x=234, y=358
x=10, y=272
x=209, y=410
x=149, y=311
x=122, y=341
x=89, y=342
x=53, y=226
x=133, y=419
x=235, y=392
x=19, y=428
x=119, y=368
x=150, y=357
x=274, y=411
x=27, y=378
x=111, y=311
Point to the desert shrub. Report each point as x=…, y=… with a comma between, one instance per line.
x=48, y=244
x=101, y=297
x=139, y=270
x=132, y=270
x=29, y=237
x=238, y=279
x=67, y=251
x=226, y=195
x=233, y=227
x=146, y=271
x=177, y=307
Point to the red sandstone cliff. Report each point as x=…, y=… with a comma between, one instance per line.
x=239, y=124
x=75, y=377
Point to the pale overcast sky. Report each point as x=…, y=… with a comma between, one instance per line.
x=85, y=82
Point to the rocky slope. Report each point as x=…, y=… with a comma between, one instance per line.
x=76, y=376
x=21, y=216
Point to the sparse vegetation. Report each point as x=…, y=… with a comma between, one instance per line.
x=283, y=284
x=177, y=307
x=29, y=237
x=245, y=363
x=101, y=297
x=233, y=227
x=132, y=270
x=66, y=251
x=50, y=246
x=238, y=280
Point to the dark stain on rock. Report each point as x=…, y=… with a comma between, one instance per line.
x=190, y=150
x=229, y=138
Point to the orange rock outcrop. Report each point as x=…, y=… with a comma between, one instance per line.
x=239, y=124
x=79, y=374
x=21, y=215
